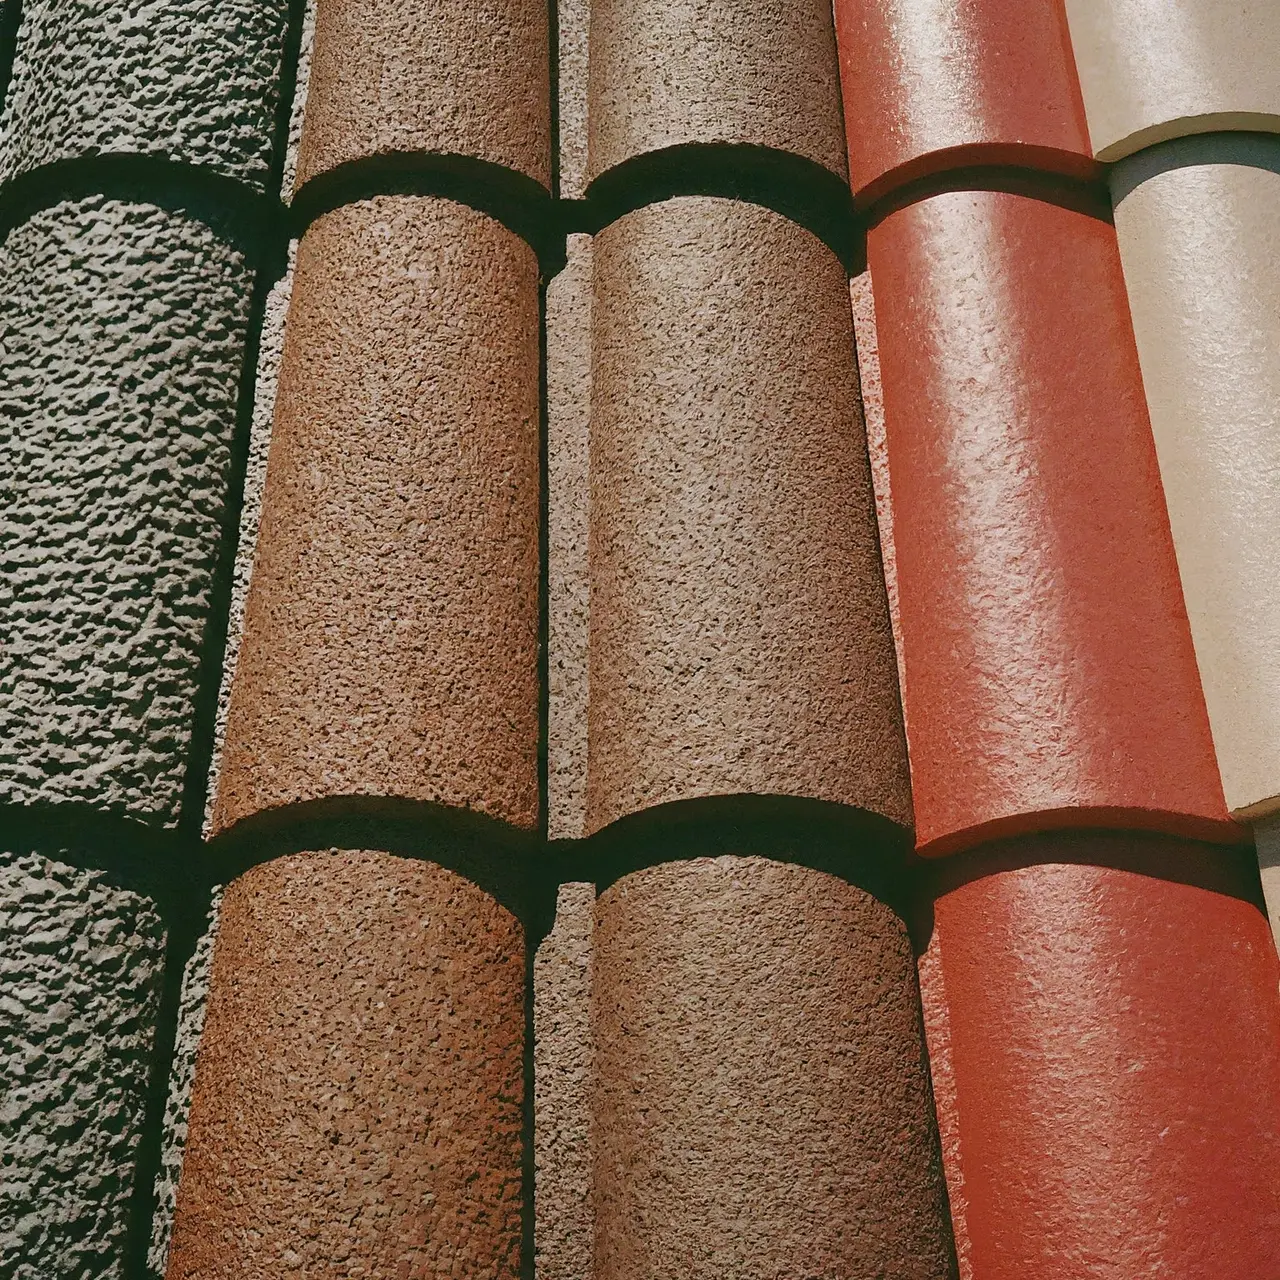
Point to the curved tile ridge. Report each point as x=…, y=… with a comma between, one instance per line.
x=451, y=77
x=181, y=79
x=1153, y=70
x=390, y=644
x=665, y=74
x=359, y=1090
x=1199, y=238
x=126, y=334
x=930, y=87
x=1105, y=1011
x=739, y=636
x=1050, y=678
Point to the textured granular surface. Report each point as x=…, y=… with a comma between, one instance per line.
x=568, y=575
x=359, y=1091
x=124, y=337
x=668, y=72
x=456, y=77
x=80, y=977
x=739, y=632
x=562, y=1088
x=192, y=1005
x=391, y=632
x=762, y=1099
x=183, y=79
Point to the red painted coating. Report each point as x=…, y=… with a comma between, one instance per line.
x=932, y=85
x=1114, y=1046
x=1050, y=675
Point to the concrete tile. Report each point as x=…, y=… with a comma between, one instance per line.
x=665, y=73
x=1152, y=70
x=932, y=85
x=739, y=633
x=391, y=630
x=1050, y=674
x=1200, y=242
x=1113, y=1010
x=182, y=79
x=453, y=77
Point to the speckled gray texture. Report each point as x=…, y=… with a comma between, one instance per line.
x=562, y=1055
x=183, y=79
x=124, y=335
x=568, y=499
x=80, y=976
x=270, y=353
x=191, y=1010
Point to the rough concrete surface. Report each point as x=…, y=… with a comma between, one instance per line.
x=739, y=632
x=562, y=1054
x=762, y=1099
x=668, y=72
x=297, y=113
x=192, y=1006
x=456, y=77
x=80, y=977
x=391, y=632
x=266, y=382
x=182, y=79
x=574, y=22
x=124, y=337
x=358, y=1105
x=862, y=299
x=568, y=499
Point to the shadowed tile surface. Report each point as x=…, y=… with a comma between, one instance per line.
x=391, y=631
x=124, y=336
x=358, y=1095
x=739, y=633
x=183, y=79
x=762, y=1100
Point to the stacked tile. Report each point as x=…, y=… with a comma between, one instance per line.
x=1099, y=986
x=132, y=151
x=1188, y=105
x=761, y=1103
x=359, y=1097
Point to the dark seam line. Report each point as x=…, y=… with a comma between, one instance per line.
x=10, y=25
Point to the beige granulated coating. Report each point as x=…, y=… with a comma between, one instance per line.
x=358, y=1097
x=562, y=1089
x=455, y=77
x=1199, y=238
x=739, y=633
x=391, y=631
x=762, y=1101
x=669, y=72
x=568, y=414
x=1151, y=70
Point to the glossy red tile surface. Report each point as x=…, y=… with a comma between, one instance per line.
x=1113, y=1046
x=932, y=85
x=1050, y=676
